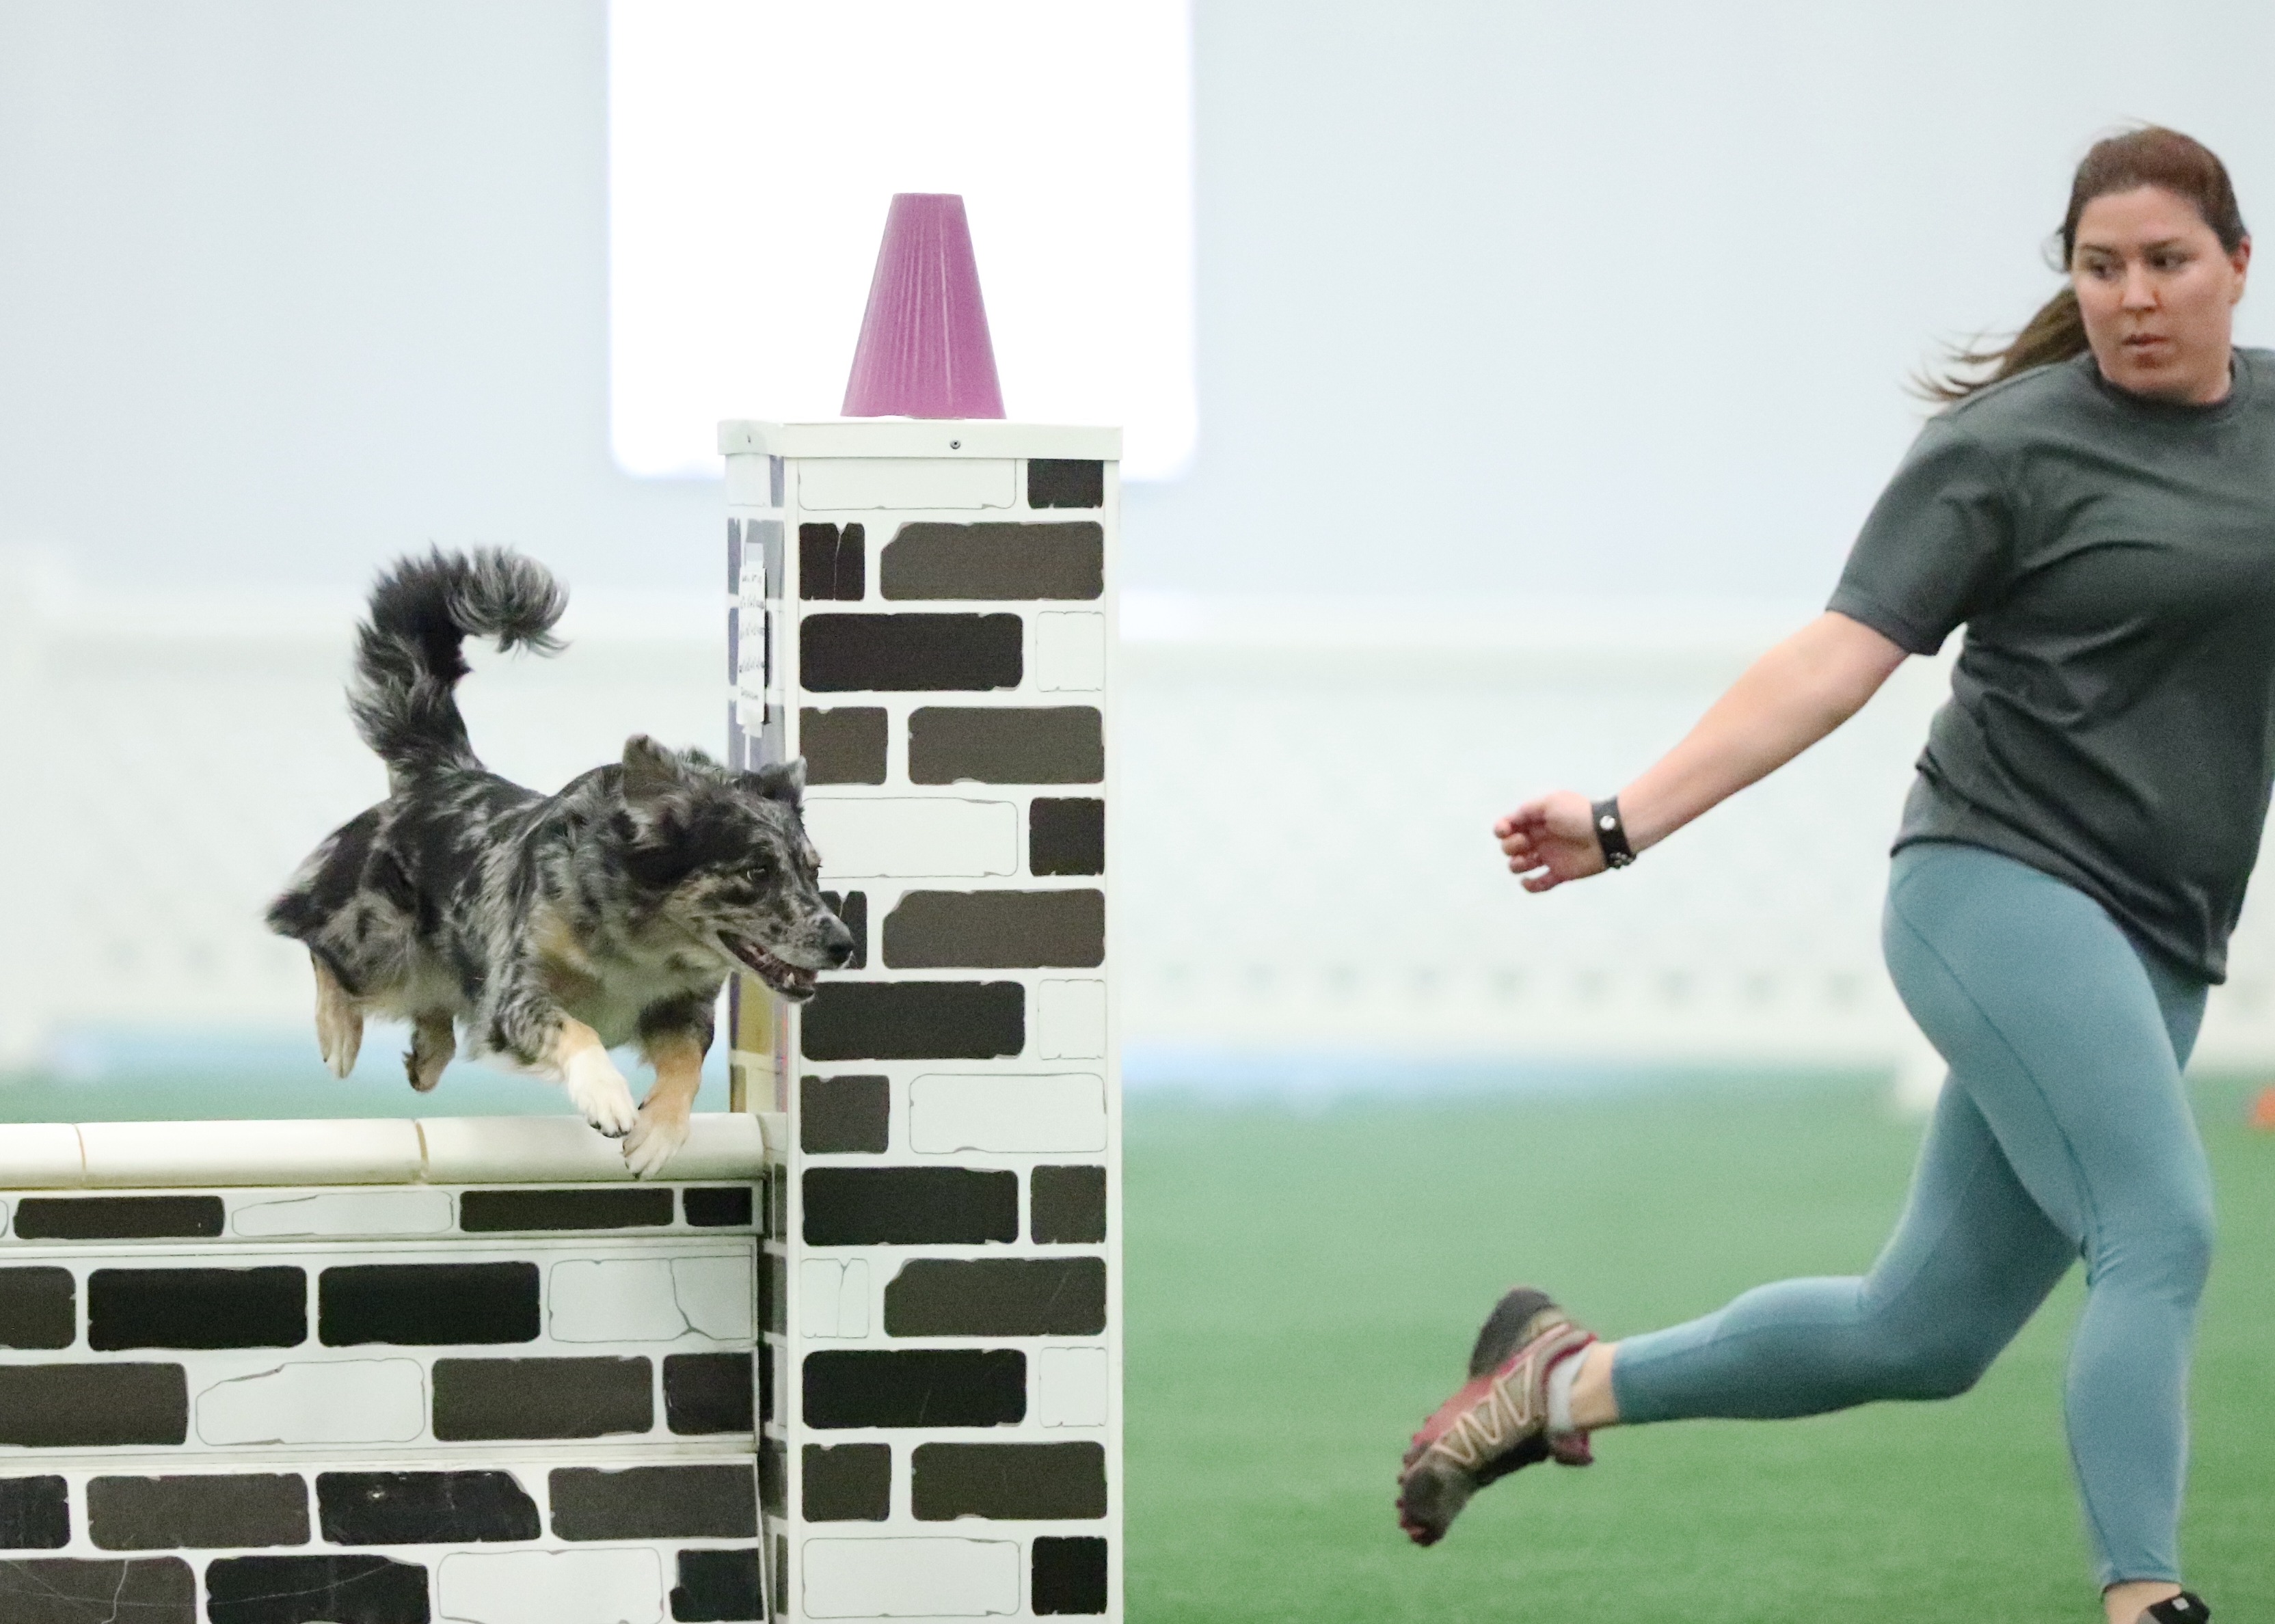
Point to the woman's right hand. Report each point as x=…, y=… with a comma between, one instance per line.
x=1550, y=840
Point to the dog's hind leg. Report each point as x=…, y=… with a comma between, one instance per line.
x=339, y=1023
x=432, y=1046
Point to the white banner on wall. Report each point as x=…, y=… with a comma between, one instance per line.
x=754, y=146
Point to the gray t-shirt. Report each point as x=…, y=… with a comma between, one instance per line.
x=2112, y=718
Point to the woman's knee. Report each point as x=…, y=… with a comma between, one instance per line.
x=1911, y=1358
x=1940, y=1369
x=2169, y=1254
x=2164, y=1256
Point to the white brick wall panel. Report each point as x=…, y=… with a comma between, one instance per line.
x=309, y=1402
x=1061, y=1114
x=1070, y=651
x=921, y=1578
x=348, y=1212
x=904, y=837
x=865, y=484
x=552, y=1587
x=1070, y=1019
x=1070, y=1388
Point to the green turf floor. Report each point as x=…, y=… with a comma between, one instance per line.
x=1302, y=1288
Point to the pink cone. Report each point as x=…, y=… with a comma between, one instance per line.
x=924, y=350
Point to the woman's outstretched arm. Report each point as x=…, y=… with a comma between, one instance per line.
x=1789, y=699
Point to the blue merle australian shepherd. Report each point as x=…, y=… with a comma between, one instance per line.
x=545, y=929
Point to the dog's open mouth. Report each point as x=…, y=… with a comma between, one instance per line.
x=791, y=981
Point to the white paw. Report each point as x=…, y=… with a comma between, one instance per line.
x=653, y=1142
x=599, y=1091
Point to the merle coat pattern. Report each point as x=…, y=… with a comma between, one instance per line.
x=541, y=931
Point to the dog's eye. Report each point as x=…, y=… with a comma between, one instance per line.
x=761, y=869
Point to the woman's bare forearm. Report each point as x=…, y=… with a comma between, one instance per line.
x=1786, y=701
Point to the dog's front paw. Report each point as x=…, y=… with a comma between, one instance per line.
x=654, y=1141
x=599, y=1091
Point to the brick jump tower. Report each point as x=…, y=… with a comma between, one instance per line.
x=922, y=608
x=923, y=611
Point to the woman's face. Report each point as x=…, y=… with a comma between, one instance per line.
x=2159, y=294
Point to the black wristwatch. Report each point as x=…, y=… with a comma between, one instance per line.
x=1611, y=833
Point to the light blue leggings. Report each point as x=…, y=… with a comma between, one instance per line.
x=2063, y=1133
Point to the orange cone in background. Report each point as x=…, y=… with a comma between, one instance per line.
x=2262, y=1111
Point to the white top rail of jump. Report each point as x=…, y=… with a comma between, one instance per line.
x=436, y=1149
x=872, y=437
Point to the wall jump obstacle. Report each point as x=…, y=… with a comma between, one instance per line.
x=378, y=1372
x=856, y=1355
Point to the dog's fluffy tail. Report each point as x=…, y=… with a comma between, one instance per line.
x=408, y=657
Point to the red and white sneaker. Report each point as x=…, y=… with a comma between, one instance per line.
x=1498, y=1422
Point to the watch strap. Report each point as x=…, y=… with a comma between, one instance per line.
x=1611, y=833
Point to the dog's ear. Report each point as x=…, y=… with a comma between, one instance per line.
x=781, y=780
x=650, y=770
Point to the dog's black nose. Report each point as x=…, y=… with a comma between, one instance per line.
x=837, y=942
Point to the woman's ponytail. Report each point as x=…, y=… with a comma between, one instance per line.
x=2055, y=334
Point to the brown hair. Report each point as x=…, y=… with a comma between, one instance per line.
x=2148, y=157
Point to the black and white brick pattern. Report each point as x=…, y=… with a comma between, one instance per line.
x=386, y=1403
x=925, y=612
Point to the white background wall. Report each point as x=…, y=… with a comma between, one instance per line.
x=1610, y=299
x=1500, y=306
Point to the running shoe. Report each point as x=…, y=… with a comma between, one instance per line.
x=1498, y=1422
x=2186, y=1608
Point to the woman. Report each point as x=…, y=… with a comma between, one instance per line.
x=2100, y=515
